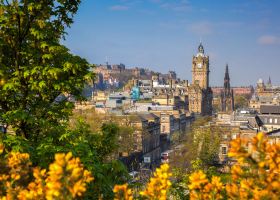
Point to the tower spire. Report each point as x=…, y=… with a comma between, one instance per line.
x=200, y=48
x=227, y=98
x=227, y=82
x=269, y=81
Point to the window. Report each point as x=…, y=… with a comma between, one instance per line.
x=270, y=120
x=225, y=136
x=234, y=136
x=275, y=121
x=224, y=150
x=265, y=120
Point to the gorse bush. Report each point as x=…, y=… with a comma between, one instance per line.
x=66, y=178
x=255, y=175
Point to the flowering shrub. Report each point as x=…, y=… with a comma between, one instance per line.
x=159, y=184
x=65, y=179
x=156, y=189
x=201, y=188
x=256, y=174
x=123, y=192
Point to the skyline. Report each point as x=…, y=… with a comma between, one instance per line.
x=164, y=35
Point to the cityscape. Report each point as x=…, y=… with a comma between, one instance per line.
x=90, y=111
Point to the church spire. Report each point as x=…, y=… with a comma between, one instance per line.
x=269, y=81
x=227, y=82
x=227, y=98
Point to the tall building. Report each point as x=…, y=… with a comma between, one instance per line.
x=200, y=69
x=200, y=94
x=227, y=99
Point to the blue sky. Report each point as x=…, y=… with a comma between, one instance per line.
x=163, y=35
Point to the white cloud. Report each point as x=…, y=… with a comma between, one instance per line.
x=176, y=5
x=119, y=8
x=202, y=28
x=269, y=40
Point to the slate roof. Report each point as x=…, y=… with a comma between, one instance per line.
x=270, y=109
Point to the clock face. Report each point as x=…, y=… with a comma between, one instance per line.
x=199, y=65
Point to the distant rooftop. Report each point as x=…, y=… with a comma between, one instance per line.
x=270, y=109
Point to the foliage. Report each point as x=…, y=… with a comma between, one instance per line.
x=124, y=135
x=65, y=179
x=39, y=79
x=38, y=75
x=201, y=188
x=257, y=172
x=159, y=184
x=207, y=143
x=202, y=144
x=94, y=150
x=123, y=192
x=255, y=175
x=156, y=189
x=241, y=101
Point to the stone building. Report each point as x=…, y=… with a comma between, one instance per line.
x=265, y=94
x=147, y=137
x=227, y=99
x=200, y=94
x=241, y=90
x=167, y=89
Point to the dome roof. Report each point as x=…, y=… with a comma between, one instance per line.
x=260, y=81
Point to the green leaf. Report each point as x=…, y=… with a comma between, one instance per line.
x=42, y=84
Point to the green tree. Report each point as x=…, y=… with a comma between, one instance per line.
x=199, y=150
x=241, y=101
x=38, y=76
x=37, y=73
x=94, y=150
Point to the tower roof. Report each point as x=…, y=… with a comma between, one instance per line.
x=227, y=73
x=269, y=81
x=200, y=48
x=227, y=82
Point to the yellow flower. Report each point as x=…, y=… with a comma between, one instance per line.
x=216, y=183
x=197, y=180
x=122, y=192
x=1, y=148
x=67, y=176
x=159, y=184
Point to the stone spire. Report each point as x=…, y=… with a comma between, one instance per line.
x=269, y=81
x=227, y=82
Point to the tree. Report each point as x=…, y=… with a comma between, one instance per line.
x=241, y=101
x=202, y=143
x=38, y=78
x=37, y=73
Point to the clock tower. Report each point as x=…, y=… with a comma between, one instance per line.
x=200, y=69
x=199, y=93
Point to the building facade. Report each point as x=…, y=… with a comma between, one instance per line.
x=200, y=93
